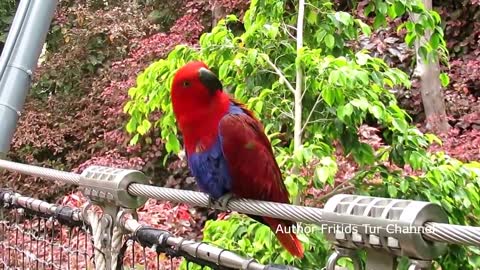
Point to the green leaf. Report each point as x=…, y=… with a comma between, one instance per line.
x=404, y=186
x=259, y=106
x=363, y=77
x=419, y=29
x=364, y=154
x=134, y=140
x=344, y=18
x=330, y=41
x=381, y=7
x=131, y=125
x=410, y=38
x=321, y=175
x=435, y=41
x=399, y=8
x=312, y=17
x=415, y=160
x=360, y=103
x=377, y=111
x=222, y=73
x=362, y=58
x=391, y=12
x=344, y=111
x=369, y=8
x=400, y=124
x=172, y=145
x=436, y=16
x=366, y=30
x=379, y=21
x=328, y=95
x=146, y=125
x=433, y=138
x=444, y=79
x=320, y=35
x=334, y=77
x=392, y=191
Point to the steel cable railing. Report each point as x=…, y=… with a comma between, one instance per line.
x=447, y=233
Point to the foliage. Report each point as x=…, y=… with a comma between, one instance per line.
x=463, y=36
x=82, y=42
x=250, y=238
x=239, y=56
x=7, y=11
x=65, y=130
x=453, y=185
x=250, y=65
x=74, y=117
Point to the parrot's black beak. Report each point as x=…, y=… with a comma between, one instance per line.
x=210, y=80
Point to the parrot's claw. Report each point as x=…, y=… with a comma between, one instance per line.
x=220, y=203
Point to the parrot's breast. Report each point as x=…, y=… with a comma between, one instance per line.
x=209, y=166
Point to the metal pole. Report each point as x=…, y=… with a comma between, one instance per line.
x=19, y=61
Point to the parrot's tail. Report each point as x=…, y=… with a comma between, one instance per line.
x=286, y=236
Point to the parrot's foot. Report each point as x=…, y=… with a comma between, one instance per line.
x=220, y=203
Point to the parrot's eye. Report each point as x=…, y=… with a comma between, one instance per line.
x=186, y=83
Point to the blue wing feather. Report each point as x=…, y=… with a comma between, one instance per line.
x=210, y=170
x=210, y=167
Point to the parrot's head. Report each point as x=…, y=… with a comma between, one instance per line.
x=196, y=92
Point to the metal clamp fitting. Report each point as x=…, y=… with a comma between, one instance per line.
x=388, y=225
x=109, y=185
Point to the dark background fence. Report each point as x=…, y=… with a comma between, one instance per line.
x=38, y=235
x=33, y=240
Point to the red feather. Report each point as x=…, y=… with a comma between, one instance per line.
x=254, y=170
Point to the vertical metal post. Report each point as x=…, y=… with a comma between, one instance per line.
x=380, y=260
x=19, y=60
x=107, y=188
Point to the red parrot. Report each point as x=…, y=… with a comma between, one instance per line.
x=227, y=150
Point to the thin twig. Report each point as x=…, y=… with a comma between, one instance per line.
x=289, y=115
x=317, y=101
x=320, y=120
x=333, y=193
x=280, y=74
x=311, y=113
x=288, y=32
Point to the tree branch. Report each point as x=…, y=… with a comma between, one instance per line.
x=311, y=113
x=333, y=193
x=299, y=87
x=337, y=190
x=280, y=74
x=299, y=84
x=285, y=26
x=313, y=109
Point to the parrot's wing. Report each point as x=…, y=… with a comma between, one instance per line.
x=254, y=171
x=249, y=155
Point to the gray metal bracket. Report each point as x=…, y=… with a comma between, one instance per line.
x=344, y=253
x=385, y=228
x=107, y=188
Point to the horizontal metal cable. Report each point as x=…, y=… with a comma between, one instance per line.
x=453, y=234
x=50, y=174
x=199, y=250
x=253, y=207
x=38, y=205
